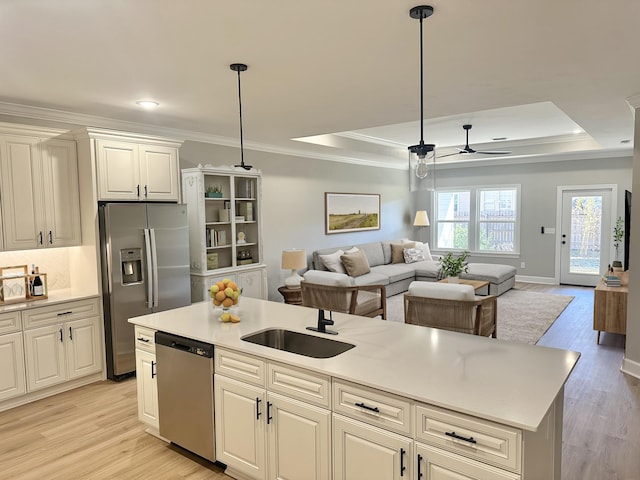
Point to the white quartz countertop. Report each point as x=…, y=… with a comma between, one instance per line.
x=506, y=382
x=53, y=297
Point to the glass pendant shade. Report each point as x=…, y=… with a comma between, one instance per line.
x=422, y=167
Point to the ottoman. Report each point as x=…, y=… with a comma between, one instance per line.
x=500, y=277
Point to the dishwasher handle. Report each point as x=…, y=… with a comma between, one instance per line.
x=186, y=345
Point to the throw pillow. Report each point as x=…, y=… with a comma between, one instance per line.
x=356, y=263
x=426, y=252
x=412, y=255
x=397, y=251
x=332, y=261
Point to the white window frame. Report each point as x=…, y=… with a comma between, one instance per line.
x=474, y=219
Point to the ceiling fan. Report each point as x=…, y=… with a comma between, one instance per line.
x=467, y=149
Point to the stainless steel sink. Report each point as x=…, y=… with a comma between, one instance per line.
x=300, y=343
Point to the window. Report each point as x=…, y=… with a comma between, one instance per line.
x=480, y=219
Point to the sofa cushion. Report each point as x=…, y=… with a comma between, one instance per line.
x=374, y=253
x=426, y=268
x=490, y=272
x=328, y=278
x=445, y=291
x=395, y=271
x=355, y=263
x=397, y=251
x=372, y=278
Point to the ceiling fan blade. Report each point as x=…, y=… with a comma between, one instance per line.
x=495, y=152
x=450, y=154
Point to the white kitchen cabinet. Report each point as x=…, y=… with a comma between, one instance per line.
x=284, y=433
x=146, y=380
x=12, y=381
x=41, y=206
x=435, y=464
x=62, y=342
x=225, y=231
x=364, y=451
x=128, y=170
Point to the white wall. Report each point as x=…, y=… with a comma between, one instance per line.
x=293, y=200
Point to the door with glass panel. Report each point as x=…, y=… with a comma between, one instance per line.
x=585, y=235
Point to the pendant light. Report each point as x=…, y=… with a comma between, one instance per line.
x=422, y=156
x=240, y=67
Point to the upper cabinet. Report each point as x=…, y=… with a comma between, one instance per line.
x=39, y=185
x=132, y=167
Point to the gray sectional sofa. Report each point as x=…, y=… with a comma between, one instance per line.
x=396, y=277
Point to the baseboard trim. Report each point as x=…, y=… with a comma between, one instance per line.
x=630, y=367
x=543, y=280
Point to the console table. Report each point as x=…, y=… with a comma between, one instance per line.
x=610, y=307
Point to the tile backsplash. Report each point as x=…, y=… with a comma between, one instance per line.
x=52, y=261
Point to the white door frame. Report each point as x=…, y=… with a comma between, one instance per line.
x=563, y=188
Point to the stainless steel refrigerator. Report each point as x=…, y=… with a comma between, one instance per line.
x=145, y=269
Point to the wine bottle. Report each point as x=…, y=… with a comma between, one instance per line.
x=38, y=288
x=33, y=271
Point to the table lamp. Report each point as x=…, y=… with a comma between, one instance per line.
x=293, y=260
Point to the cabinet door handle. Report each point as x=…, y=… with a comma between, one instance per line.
x=269, y=417
x=61, y=335
x=153, y=369
x=40, y=238
x=145, y=192
x=138, y=191
x=420, y=457
x=50, y=238
x=460, y=437
x=402, y=467
x=367, y=407
x=258, y=412
x=70, y=334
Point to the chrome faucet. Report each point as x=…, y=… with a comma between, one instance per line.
x=323, y=322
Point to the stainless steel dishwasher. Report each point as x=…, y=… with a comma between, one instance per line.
x=185, y=393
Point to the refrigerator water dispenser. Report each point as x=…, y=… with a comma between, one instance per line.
x=131, y=265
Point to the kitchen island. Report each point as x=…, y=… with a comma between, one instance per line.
x=509, y=394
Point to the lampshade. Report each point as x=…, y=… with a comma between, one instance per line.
x=421, y=219
x=293, y=260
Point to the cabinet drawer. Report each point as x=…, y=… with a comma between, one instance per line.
x=240, y=366
x=372, y=406
x=61, y=312
x=145, y=339
x=10, y=322
x=491, y=443
x=300, y=384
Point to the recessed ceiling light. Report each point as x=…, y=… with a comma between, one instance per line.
x=577, y=131
x=148, y=104
x=498, y=139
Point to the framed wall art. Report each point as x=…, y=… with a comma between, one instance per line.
x=351, y=212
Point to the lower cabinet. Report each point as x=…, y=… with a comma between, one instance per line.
x=276, y=434
x=365, y=451
x=146, y=381
x=62, y=352
x=252, y=282
x=12, y=382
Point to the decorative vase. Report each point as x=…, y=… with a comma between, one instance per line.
x=453, y=279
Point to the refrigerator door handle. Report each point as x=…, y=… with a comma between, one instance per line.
x=150, y=269
x=154, y=259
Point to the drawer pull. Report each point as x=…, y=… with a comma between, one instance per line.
x=64, y=313
x=459, y=437
x=367, y=407
x=402, y=466
x=145, y=340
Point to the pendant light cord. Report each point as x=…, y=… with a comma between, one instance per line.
x=421, y=88
x=240, y=108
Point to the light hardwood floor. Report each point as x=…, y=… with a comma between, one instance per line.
x=93, y=432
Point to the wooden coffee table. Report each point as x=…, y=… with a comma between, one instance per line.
x=478, y=285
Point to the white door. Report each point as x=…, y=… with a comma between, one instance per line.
x=12, y=381
x=364, y=451
x=240, y=418
x=45, y=356
x=159, y=173
x=147, y=386
x=436, y=464
x=118, y=170
x=84, y=352
x=585, y=235
x=299, y=437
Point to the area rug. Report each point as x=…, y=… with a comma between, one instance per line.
x=523, y=316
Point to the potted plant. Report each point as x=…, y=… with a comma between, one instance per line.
x=452, y=266
x=213, y=191
x=618, y=233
